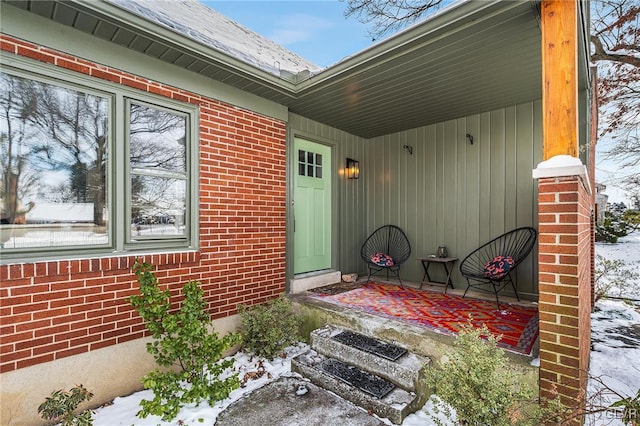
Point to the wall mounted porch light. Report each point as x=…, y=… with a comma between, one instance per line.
x=353, y=169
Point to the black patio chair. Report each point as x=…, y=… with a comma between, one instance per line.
x=489, y=267
x=385, y=250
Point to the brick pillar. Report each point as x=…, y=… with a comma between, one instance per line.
x=565, y=258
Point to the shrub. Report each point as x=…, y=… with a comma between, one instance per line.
x=613, y=278
x=61, y=407
x=632, y=218
x=269, y=328
x=185, y=345
x=476, y=382
x=613, y=227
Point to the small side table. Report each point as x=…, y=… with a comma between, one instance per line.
x=446, y=262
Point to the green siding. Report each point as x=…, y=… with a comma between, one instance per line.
x=448, y=192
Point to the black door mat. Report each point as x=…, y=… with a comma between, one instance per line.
x=371, y=345
x=366, y=382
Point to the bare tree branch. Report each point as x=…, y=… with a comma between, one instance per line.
x=601, y=54
x=387, y=16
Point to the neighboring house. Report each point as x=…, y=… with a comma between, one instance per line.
x=217, y=155
x=601, y=202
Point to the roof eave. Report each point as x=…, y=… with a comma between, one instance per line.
x=114, y=13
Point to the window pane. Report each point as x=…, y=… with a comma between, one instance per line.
x=53, y=154
x=157, y=206
x=157, y=139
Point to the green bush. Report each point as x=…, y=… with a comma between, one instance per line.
x=614, y=226
x=269, y=328
x=61, y=407
x=476, y=382
x=185, y=345
x=614, y=278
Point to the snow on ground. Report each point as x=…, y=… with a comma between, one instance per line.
x=615, y=360
x=615, y=338
x=627, y=250
x=123, y=409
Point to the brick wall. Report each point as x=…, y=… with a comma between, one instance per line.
x=56, y=309
x=565, y=250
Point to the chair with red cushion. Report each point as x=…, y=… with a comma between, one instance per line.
x=385, y=250
x=489, y=267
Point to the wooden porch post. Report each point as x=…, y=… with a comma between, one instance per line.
x=560, y=78
x=564, y=215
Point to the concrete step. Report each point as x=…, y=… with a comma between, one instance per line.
x=395, y=405
x=310, y=280
x=406, y=371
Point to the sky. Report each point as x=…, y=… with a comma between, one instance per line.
x=316, y=30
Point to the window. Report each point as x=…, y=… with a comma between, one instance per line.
x=309, y=164
x=92, y=168
x=157, y=160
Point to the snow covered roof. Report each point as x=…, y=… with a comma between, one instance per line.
x=208, y=27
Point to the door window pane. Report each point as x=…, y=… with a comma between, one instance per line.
x=309, y=164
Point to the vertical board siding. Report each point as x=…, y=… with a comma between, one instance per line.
x=448, y=192
x=453, y=193
x=497, y=172
x=526, y=202
x=474, y=155
x=484, y=180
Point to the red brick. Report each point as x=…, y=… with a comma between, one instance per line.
x=105, y=75
x=34, y=361
x=35, y=54
x=41, y=341
x=72, y=351
x=72, y=65
x=8, y=46
x=134, y=83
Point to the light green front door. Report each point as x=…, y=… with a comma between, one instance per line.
x=312, y=207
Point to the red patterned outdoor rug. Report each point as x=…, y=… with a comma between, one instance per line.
x=444, y=313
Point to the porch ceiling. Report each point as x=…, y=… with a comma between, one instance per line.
x=474, y=57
